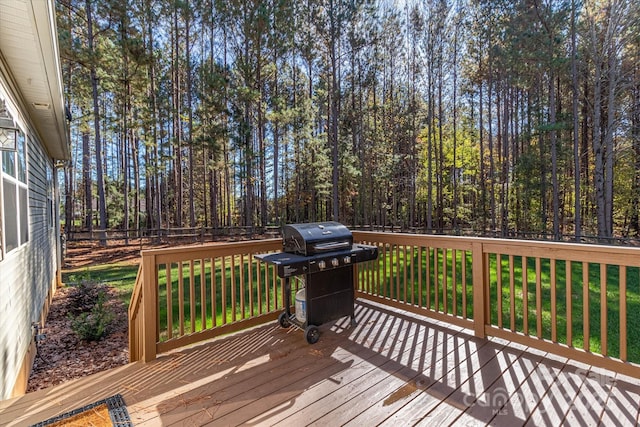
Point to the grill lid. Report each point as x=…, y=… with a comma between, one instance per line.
x=316, y=237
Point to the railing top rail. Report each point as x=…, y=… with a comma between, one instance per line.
x=208, y=250
x=608, y=254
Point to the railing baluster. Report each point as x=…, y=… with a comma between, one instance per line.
x=538, y=298
x=413, y=276
x=214, y=293
x=445, y=308
x=169, y=303
x=464, y=284
x=397, y=273
x=436, y=278
x=603, y=309
x=377, y=273
x=623, y=313
x=203, y=295
x=454, y=282
x=569, y=302
x=223, y=288
x=385, y=276
x=554, y=317
x=250, y=278
x=428, y=276
x=486, y=292
x=192, y=296
x=585, y=306
x=242, y=287
x=499, y=287
x=512, y=294
x=525, y=297
x=420, y=264
x=180, y=299
x=404, y=274
x=267, y=288
x=234, y=302
x=259, y=285
x=368, y=272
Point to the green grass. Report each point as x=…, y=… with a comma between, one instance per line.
x=411, y=277
x=122, y=276
x=264, y=300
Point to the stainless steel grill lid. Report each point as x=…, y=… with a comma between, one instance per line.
x=316, y=237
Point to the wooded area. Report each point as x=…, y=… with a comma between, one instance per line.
x=442, y=115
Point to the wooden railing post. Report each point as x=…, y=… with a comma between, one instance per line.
x=149, y=307
x=479, y=294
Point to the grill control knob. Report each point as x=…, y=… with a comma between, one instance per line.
x=346, y=260
x=322, y=265
x=335, y=262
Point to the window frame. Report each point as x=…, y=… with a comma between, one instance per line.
x=20, y=183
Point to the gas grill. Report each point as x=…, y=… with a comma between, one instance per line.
x=321, y=258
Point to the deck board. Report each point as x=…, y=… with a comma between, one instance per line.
x=527, y=397
x=392, y=368
x=623, y=403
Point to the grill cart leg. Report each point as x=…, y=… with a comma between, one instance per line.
x=287, y=296
x=283, y=319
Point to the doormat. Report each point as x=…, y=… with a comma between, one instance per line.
x=108, y=412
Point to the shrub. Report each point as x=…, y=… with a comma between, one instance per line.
x=84, y=297
x=94, y=324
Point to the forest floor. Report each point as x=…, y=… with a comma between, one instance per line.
x=61, y=355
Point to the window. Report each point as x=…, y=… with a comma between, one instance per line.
x=50, y=205
x=15, y=197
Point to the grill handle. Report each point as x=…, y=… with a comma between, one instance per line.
x=330, y=246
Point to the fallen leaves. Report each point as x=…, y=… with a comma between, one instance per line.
x=62, y=356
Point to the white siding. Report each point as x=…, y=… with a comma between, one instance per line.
x=26, y=274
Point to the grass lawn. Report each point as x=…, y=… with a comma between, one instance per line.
x=121, y=275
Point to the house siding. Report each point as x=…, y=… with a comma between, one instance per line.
x=27, y=276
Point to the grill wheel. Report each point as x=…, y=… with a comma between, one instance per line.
x=283, y=320
x=312, y=334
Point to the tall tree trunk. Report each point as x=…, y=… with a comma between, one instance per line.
x=126, y=111
x=335, y=103
x=576, y=142
x=87, y=181
x=598, y=149
x=554, y=158
x=102, y=204
x=612, y=83
x=635, y=141
x=187, y=40
x=177, y=121
x=155, y=203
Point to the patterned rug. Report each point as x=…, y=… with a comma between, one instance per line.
x=111, y=411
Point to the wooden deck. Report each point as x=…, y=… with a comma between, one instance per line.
x=392, y=368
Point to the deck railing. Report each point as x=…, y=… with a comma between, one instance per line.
x=579, y=301
x=190, y=294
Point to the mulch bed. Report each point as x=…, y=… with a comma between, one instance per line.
x=62, y=356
